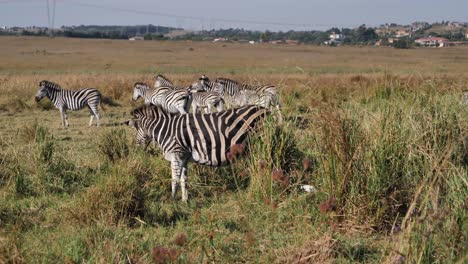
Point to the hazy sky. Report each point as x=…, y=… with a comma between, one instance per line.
x=248, y=14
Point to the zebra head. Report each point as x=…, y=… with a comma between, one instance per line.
x=220, y=86
x=139, y=89
x=202, y=85
x=143, y=117
x=43, y=89
x=142, y=138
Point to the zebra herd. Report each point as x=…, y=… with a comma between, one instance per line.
x=205, y=94
x=208, y=139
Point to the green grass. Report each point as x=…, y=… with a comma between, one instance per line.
x=385, y=152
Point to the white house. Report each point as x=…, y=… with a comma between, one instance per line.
x=335, y=39
x=335, y=36
x=432, y=41
x=136, y=38
x=220, y=39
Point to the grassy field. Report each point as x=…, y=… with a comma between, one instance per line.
x=380, y=133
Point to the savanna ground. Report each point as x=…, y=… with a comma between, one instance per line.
x=380, y=133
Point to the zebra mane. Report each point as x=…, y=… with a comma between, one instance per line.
x=49, y=84
x=226, y=80
x=140, y=84
x=160, y=76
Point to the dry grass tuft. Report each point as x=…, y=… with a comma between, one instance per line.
x=321, y=250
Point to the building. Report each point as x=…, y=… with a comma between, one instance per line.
x=335, y=39
x=136, y=38
x=432, y=42
x=338, y=37
x=402, y=33
x=220, y=40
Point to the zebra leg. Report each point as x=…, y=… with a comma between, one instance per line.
x=98, y=118
x=66, y=118
x=62, y=117
x=183, y=181
x=176, y=166
x=91, y=119
x=94, y=112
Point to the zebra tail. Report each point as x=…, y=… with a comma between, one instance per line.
x=101, y=104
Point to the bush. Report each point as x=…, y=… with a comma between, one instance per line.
x=273, y=155
x=401, y=44
x=113, y=144
x=135, y=190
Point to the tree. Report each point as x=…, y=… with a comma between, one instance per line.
x=401, y=44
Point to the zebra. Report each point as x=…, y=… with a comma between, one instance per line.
x=160, y=80
x=265, y=95
x=206, y=100
x=71, y=100
x=203, y=85
x=173, y=101
x=208, y=139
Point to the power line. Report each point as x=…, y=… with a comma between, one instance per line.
x=201, y=18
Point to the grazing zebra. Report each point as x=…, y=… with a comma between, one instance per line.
x=160, y=81
x=207, y=139
x=207, y=100
x=173, y=101
x=71, y=100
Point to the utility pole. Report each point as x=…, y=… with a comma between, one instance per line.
x=51, y=17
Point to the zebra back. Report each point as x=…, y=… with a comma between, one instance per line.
x=205, y=99
x=205, y=138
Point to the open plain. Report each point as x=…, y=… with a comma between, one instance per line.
x=380, y=134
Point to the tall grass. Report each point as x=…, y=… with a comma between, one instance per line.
x=386, y=155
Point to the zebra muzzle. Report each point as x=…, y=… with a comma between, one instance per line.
x=37, y=98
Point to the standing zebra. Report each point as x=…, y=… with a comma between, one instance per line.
x=207, y=100
x=160, y=81
x=264, y=95
x=71, y=100
x=173, y=101
x=206, y=139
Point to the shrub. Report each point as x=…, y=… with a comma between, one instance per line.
x=273, y=155
x=401, y=44
x=113, y=144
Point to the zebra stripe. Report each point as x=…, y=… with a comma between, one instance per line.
x=206, y=100
x=173, y=101
x=71, y=100
x=202, y=138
